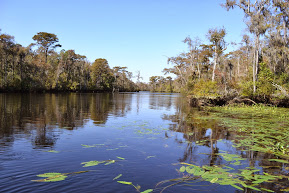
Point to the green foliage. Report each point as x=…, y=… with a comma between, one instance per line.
x=205, y=88
x=93, y=163
x=101, y=75
x=225, y=175
x=284, y=79
x=117, y=177
x=136, y=187
x=45, y=39
x=124, y=182
x=267, y=132
x=91, y=146
x=55, y=177
x=52, y=151
x=52, y=178
x=46, y=42
x=265, y=80
x=147, y=191
x=48, y=175
x=23, y=69
x=264, y=84
x=247, y=88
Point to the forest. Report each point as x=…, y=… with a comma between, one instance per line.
x=258, y=66
x=39, y=67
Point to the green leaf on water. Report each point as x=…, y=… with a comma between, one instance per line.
x=121, y=158
x=46, y=175
x=110, y=162
x=124, y=182
x=267, y=190
x=51, y=177
x=55, y=179
x=92, y=163
x=88, y=146
x=52, y=151
x=237, y=187
x=117, y=177
x=214, y=180
x=253, y=188
x=279, y=160
x=183, y=169
x=149, y=157
x=147, y=191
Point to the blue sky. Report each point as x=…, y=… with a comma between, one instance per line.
x=139, y=34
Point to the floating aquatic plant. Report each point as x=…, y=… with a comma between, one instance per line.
x=257, y=128
x=90, y=146
x=137, y=187
x=55, y=177
x=52, y=151
x=95, y=162
x=247, y=178
x=117, y=177
x=232, y=158
x=148, y=157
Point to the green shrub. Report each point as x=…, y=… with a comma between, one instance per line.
x=204, y=88
x=265, y=80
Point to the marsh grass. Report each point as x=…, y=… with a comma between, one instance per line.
x=261, y=129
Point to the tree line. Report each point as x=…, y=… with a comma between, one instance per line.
x=39, y=67
x=259, y=65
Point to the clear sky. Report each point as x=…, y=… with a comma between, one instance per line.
x=139, y=34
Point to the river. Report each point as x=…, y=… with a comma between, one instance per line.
x=123, y=142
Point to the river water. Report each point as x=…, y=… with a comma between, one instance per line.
x=143, y=138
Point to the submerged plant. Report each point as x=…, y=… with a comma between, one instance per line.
x=90, y=146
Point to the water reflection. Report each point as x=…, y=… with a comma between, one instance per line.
x=180, y=135
x=161, y=100
x=43, y=113
x=208, y=137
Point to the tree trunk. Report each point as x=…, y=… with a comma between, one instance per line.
x=238, y=67
x=199, y=70
x=254, y=73
x=215, y=64
x=5, y=71
x=46, y=53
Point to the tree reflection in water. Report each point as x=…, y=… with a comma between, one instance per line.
x=38, y=115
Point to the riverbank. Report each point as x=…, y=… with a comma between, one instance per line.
x=66, y=91
x=235, y=99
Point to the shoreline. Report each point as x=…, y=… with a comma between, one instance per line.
x=235, y=99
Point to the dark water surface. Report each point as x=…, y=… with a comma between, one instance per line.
x=45, y=133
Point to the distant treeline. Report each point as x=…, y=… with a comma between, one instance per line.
x=259, y=66
x=38, y=67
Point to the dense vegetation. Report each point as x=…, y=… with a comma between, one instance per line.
x=39, y=67
x=258, y=67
